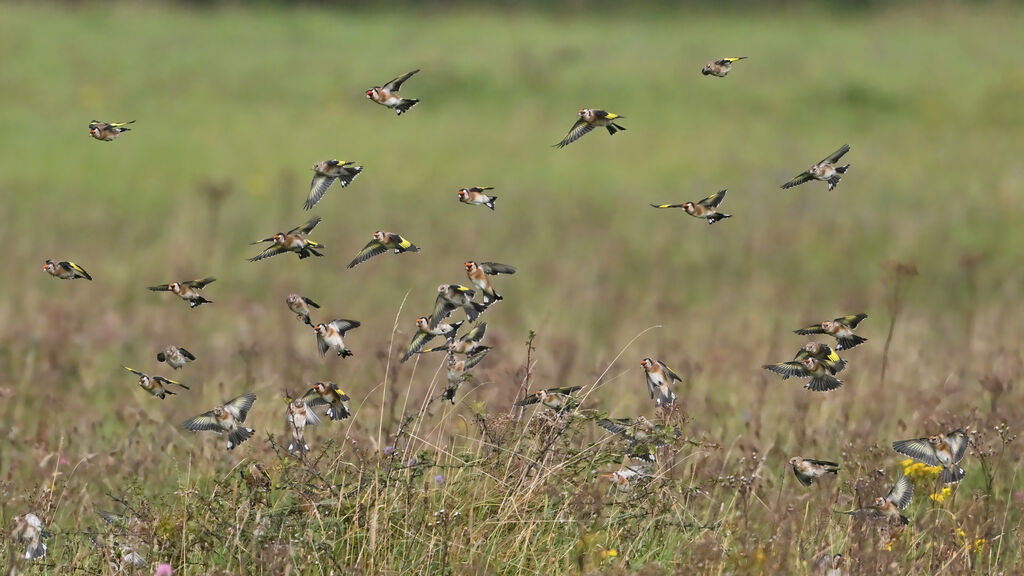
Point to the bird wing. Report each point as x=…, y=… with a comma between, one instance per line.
x=342, y=325
x=269, y=252
x=805, y=480
x=812, y=329
x=239, y=407
x=531, y=399
x=958, y=443
x=397, y=240
x=205, y=421
x=312, y=418
x=666, y=205
x=787, y=368
x=852, y=321
x=396, y=84
x=307, y=227
x=821, y=462
x=798, y=179
x=341, y=393
x=729, y=60
x=671, y=375
x=495, y=268
x=578, y=130
x=78, y=269
x=800, y=355
x=605, y=115
x=317, y=188
x=565, y=389
x=476, y=334
x=714, y=200
x=310, y=302
x=133, y=371
x=198, y=284
x=918, y=449
x=160, y=288
x=475, y=358
x=902, y=493
x=442, y=308
x=419, y=340
x=835, y=156
x=615, y=425
x=349, y=174
x=186, y=354
x=312, y=398
x=372, y=248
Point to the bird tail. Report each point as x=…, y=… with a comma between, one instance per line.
x=842, y=169
x=198, y=301
x=307, y=320
x=952, y=475
x=613, y=128
x=35, y=550
x=833, y=181
x=474, y=309
x=666, y=397
x=490, y=203
x=298, y=445
x=492, y=297
x=338, y=412
x=455, y=328
x=345, y=353
x=718, y=216
x=824, y=383
x=848, y=342
x=904, y=520
x=405, y=105
x=239, y=435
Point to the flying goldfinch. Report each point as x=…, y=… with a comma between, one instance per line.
x=65, y=270
x=155, y=385
x=381, y=243
x=300, y=305
x=840, y=328
x=591, y=118
x=822, y=353
x=826, y=170
x=821, y=376
x=659, y=379
x=468, y=343
x=227, y=418
x=899, y=498
x=478, y=273
x=455, y=379
x=475, y=195
x=175, y=357
x=187, y=291
x=706, y=208
x=329, y=336
x=557, y=399
x=27, y=529
x=457, y=367
x=424, y=334
x=328, y=394
x=387, y=95
x=807, y=470
x=297, y=417
x=107, y=131
x=452, y=296
x=293, y=240
x=623, y=478
x=720, y=67
x=326, y=173
x=945, y=450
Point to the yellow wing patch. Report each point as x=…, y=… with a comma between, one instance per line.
x=611, y=116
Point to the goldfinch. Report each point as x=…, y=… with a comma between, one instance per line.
x=826, y=170
x=706, y=208
x=300, y=305
x=590, y=118
x=721, y=67
x=452, y=296
x=899, y=498
x=325, y=173
x=644, y=436
x=328, y=394
x=381, y=243
x=807, y=470
x=840, y=328
x=387, y=95
x=107, y=131
x=424, y=334
x=227, y=418
x=329, y=336
x=659, y=377
x=28, y=529
x=945, y=450
x=475, y=195
x=155, y=385
x=822, y=353
x=65, y=270
x=623, y=478
x=557, y=399
x=468, y=343
x=821, y=376
x=478, y=273
x=293, y=240
x=175, y=357
x=458, y=370
x=187, y=291
x=297, y=417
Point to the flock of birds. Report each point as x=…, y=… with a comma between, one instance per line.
x=818, y=362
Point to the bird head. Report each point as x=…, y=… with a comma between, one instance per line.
x=442, y=288
x=647, y=363
x=586, y=114
x=422, y=323
x=373, y=93
x=294, y=299
x=879, y=501
x=795, y=460
x=463, y=194
x=380, y=236
x=49, y=266
x=174, y=287
x=470, y=266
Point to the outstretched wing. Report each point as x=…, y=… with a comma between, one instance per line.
x=317, y=188
x=578, y=130
x=835, y=156
x=78, y=269
x=495, y=268
x=419, y=340
x=239, y=407
x=565, y=389
x=918, y=449
x=205, y=421
x=902, y=493
x=958, y=443
x=616, y=425
x=531, y=399
x=475, y=358
x=787, y=369
x=198, y=284
x=310, y=302
x=476, y=334
x=160, y=288
x=812, y=329
x=342, y=325
x=269, y=252
x=852, y=321
x=821, y=462
x=396, y=84
x=798, y=179
x=442, y=308
x=307, y=227
x=714, y=200
x=372, y=248
x=133, y=371
x=671, y=375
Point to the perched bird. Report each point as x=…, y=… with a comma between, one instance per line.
x=175, y=357
x=475, y=195
x=255, y=477
x=66, y=270
x=155, y=385
x=381, y=243
x=720, y=67
x=326, y=173
x=293, y=240
x=28, y=529
x=623, y=478
x=659, y=378
x=387, y=95
x=329, y=336
x=706, y=208
x=644, y=436
x=328, y=394
x=558, y=399
x=107, y=131
x=945, y=450
x=807, y=470
x=297, y=417
x=300, y=305
x=452, y=296
x=590, y=118
x=900, y=496
x=821, y=378
x=424, y=334
x=840, y=328
x=467, y=344
x=825, y=170
x=822, y=353
x=228, y=417
x=478, y=273
x=187, y=291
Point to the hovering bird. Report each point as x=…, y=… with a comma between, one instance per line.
x=175, y=357
x=329, y=336
x=453, y=385
x=807, y=470
x=720, y=67
x=387, y=95
x=293, y=240
x=328, y=394
x=475, y=195
x=591, y=118
x=478, y=273
x=945, y=450
x=228, y=417
x=187, y=291
x=65, y=270
x=821, y=376
x=706, y=208
x=900, y=496
x=155, y=385
x=326, y=173
x=297, y=417
x=300, y=305
x=623, y=478
x=452, y=296
x=107, y=131
x=659, y=378
x=467, y=344
x=381, y=243
x=822, y=353
x=557, y=399
x=424, y=334
x=826, y=170
x=28, y=529
x=840, y=328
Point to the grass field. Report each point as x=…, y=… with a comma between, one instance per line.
x=233, y=106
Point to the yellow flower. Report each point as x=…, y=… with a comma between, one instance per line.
x=979, y=545
x=940, y=497
x=610, y=553
x=918, y=470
